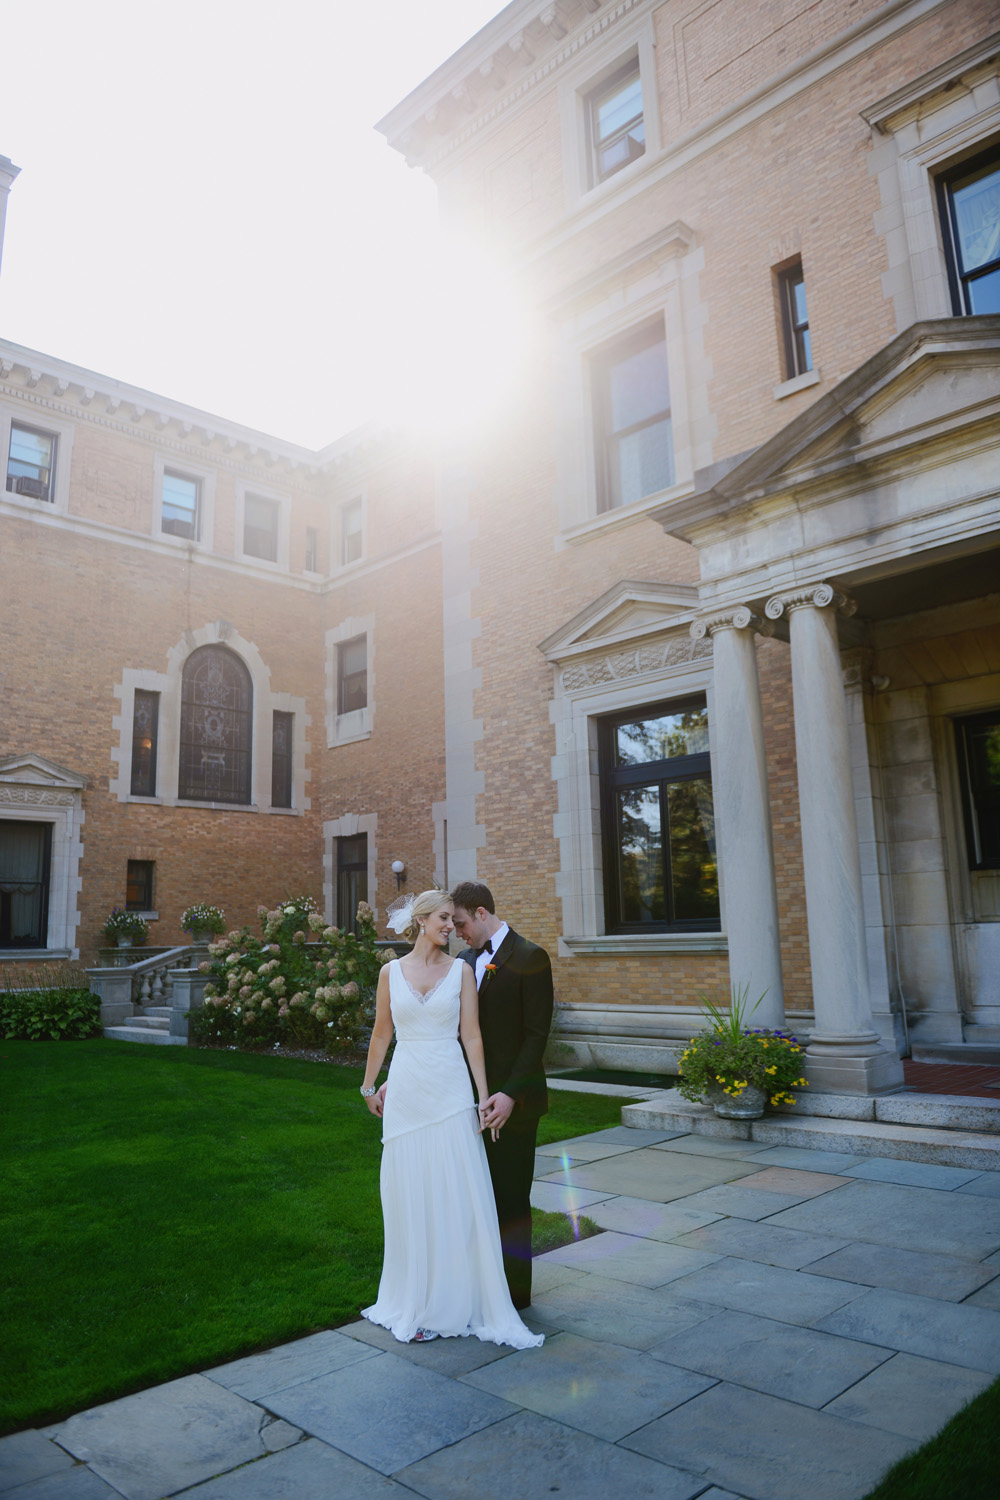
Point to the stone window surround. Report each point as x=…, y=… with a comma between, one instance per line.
x=26, y=414
x=36, y=790
x=347, y=729
x=205, y=477
x=168, y=685
x=947, y=702
x=574, y=713
x=943, y=117
x=337, y=564
x=635, y=39
x=347, y=826
x=660, y=280
x=281, y=563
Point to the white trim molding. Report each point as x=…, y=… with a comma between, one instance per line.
x=37, y=790
x=36, y=414
x=204, y=476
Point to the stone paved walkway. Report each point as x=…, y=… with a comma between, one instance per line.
x=754, y=1321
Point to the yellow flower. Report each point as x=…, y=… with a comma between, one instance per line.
x=771, y=1069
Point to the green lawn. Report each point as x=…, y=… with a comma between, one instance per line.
x=961, y=1463
x=167, y=1209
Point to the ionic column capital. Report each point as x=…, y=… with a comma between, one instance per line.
x=819, y=595
x=737, y=617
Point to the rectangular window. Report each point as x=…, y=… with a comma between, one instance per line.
x=352, y=535
x=312, y=550
x=139, y=885
x=795, y=321
x=631, y=391
x=969, y=200
x=978, y=740
x=617, y=130
x=352, y=675
x=31, y=462
x=352, y=879
x=260, y=527
x=25, y=857
x=281, y=759
x=145, y=726
x=179, y=508
x=658, y=821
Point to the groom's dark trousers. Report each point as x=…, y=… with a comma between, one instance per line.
x=515, y=1014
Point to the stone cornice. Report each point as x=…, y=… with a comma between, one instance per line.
x=886, y=115
x=671, y=242
x=819, y=595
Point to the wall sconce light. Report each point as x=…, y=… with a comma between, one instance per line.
x=399, y=870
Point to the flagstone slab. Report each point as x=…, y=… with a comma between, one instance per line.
x=771, y=1291
x=78, y=1483
x=956, y=1333
x=651, y=1221
x=988, y=1296
x=588, y=1148
x=986, y=1185
x=913, y=1173
x=310, y=1471
x=167, y=1438
x=446, y=1356
x=546, y=1160
x=387, y=1412
x=288, y=1364
x=599, y=1388
x=770, y=1449
x=792, y=1180
x=625, y=1135
x=945, y=1276
x=738, y=1202
x=797, y=1364
x=791, y=1248
x=624, y=1257
x=808, y=1159
x=548, y=1274
x=709, y=1145
x=658, y=1175
x=617, y=1312
x=911, y=1396
x=885, y=1214
x=533, y=1457
x=25, y=1456
x=562, y=1198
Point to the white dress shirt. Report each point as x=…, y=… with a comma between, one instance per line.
x=487, y=958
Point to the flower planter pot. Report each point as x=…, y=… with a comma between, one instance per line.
x=749, y=1105
x=124, y=942
x=202, y=936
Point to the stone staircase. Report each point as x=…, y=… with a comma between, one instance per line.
x=151, y=1023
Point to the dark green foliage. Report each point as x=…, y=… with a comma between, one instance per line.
x=67, y=1015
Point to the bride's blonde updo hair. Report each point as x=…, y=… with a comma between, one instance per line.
x=424, y=904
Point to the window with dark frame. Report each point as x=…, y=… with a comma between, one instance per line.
x=260, y=527
x=180, y=505
x=658, y=824
x=281, y=759
x=352, y=675
x=352, y=879
x=632, y=422
x=139, y=885
x=216, y=727
x=795, y=321
x=978, y=743
x=352, y=536
x=312, y=550
x=31, y=462
x=969, y=202
x=25, y=861
x=617, y=127
x=145, y=733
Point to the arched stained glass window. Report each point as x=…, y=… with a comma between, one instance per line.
x=216, y=707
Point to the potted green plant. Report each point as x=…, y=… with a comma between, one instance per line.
x=737, y=1069
x=203, y=922
x=126, y=928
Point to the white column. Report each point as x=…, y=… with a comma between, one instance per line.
x=845, y=1053
x=743, y=812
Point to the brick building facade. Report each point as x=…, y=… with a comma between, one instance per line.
x=695, y=655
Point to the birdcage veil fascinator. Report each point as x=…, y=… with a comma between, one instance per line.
x=399, y=914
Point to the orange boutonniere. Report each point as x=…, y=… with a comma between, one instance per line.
x=490, y=969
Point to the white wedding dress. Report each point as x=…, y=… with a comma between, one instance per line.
x=443, y=1268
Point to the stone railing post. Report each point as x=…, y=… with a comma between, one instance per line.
x=114, y=988
x=188, y=995
x=845, y=1053
x=743, y=824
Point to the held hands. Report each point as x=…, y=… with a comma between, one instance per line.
x=494, y=1112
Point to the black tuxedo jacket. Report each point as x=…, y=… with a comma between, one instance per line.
x=515, y=1014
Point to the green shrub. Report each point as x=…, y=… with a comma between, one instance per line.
x=282, y=987
x=67, y=1015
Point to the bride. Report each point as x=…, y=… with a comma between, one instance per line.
x=442, y=1273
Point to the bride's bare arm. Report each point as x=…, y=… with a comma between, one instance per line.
x=468, y=1030
x=380, y=1039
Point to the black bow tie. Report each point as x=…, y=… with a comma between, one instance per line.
x=486, y=948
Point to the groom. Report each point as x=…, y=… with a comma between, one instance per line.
x=514, y=979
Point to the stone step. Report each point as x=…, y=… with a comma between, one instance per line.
x=141, y=1034
x=154, y=1010
x=977, y=1149
x=976, y=1049
x=154, y=1022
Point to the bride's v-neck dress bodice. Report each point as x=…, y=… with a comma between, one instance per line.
x=443, y=1266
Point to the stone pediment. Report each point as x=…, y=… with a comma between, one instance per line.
x=937, y=379
x=629, y=612
x=35, y=770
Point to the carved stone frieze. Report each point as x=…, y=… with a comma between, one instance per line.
x=640, y=661
x=34, y=796
x=819, y=595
